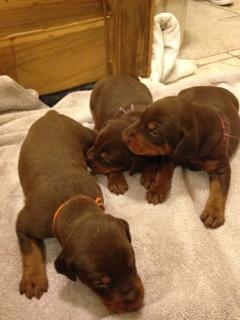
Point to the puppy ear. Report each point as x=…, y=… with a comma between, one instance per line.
x=125, y=226
x=65, y=266
x=188, y=144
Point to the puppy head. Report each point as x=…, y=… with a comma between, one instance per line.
x=101, y=256
x=167, y=127
x=109, y=153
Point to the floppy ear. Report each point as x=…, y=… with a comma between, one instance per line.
x=125, y=226
x=188, y=143
x=65, y=266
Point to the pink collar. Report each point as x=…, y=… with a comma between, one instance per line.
x=225, y=124
x=128, y=110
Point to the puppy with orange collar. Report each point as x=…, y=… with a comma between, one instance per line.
x=63, y=200
x=198, y=129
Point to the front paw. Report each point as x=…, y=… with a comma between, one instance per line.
x=146, y=180
x=33, y=286
x=213, y=217
x=118, y=185
x=156, y=195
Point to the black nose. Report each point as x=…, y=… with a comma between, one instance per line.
x=132, y=296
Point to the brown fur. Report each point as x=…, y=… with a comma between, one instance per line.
x=190, y=128
x=111, y=106
x=96, y=247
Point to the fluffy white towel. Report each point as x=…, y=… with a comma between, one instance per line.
x=189, y=272
x=165, y=66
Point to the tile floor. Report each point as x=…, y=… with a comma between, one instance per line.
x=212, y=37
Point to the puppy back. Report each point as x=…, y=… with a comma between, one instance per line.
x=113, y=92
x=217, y=97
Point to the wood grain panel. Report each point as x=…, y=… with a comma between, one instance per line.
x=7, y=59
x=52, y=45
x=129, y=27
x=19, y=16
x=60, y=58
x=25, y=3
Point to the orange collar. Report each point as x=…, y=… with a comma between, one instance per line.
x=98, y=201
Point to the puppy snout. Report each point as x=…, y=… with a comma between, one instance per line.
x=128, y=134
x=126, y=301
x=134, y=299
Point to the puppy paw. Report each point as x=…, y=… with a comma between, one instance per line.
x=118, y=187
x=33, y=286
x=212, y=217
x=148, y=175
x=156, y=195
x=146, y=181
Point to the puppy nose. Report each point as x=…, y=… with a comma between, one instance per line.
x=134, y=299
x=131, y=296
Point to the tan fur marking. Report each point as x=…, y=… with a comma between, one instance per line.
x=142, y=146
x=213, y=214
x=34, y=279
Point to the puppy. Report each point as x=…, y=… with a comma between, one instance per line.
x=116, y=102
x=63, y=200
x=199, y=129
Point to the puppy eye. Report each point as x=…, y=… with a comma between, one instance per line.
x=106, y=157
x=154, y=132
x=153, y=129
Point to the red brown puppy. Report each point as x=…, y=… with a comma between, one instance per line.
x=116, y=102
x=63, y=200
x=199, y=129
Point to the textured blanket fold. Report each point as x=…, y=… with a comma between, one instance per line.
x=189, y=272
x=165, y=66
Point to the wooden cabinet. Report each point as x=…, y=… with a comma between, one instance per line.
x=52, y=45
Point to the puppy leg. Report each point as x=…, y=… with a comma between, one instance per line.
x=117, y=183
x=161, y=185
x=213, y=214
x=34, y=280
x=149, y=173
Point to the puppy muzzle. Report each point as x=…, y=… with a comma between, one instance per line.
x=121, y=301
x=129, y=134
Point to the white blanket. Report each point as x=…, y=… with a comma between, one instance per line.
x=166, y=67
x=189, y=272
